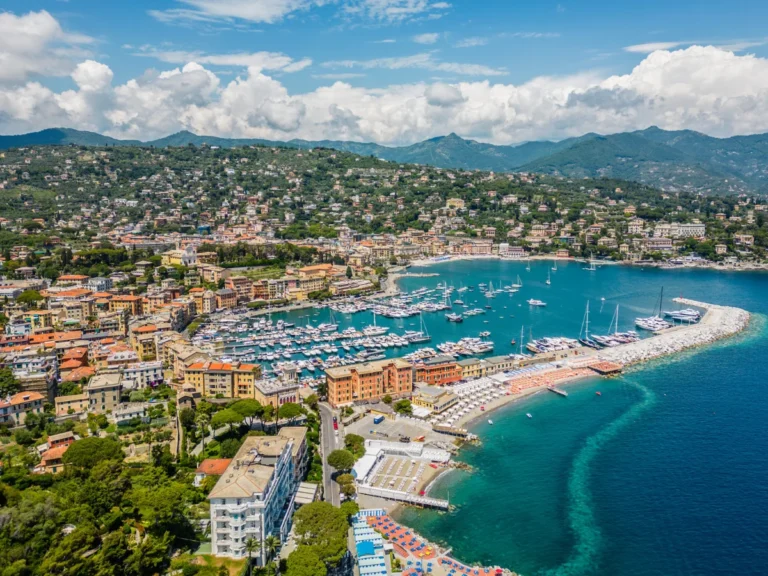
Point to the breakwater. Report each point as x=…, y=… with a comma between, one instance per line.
x=717, y=323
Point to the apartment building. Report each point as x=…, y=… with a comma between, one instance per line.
x=228, y=380
x=72, y=404
x=254, y=498
x=104, y=392
x=369, y=381
x=133, y=304
x=14, y=410
x=438, y=371
x=142, y=374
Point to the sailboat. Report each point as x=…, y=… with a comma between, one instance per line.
x=375, y=330
x=422, y=335
x=549, y=278
x=528, y=267
x=591, y=266
x=554, y=268
x=584, y=334
x=518, y=283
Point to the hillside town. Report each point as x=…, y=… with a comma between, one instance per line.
x=139, y=358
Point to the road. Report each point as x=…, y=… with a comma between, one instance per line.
x=328, y=444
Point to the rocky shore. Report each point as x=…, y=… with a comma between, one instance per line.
x=717, y=323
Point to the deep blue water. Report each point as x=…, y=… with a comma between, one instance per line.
x=665, y=473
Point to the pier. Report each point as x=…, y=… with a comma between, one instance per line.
x=717, y=323
x=423, y=501
x=558, y=391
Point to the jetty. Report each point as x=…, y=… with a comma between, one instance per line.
x=558, y=391
x=717, y=323
x=398, y=496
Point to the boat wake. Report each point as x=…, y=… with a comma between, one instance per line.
x=584, y=557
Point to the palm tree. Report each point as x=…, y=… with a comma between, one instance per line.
x=201, y=421
x=271, y=545
x=251, y=545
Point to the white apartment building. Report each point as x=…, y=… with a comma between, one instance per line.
x=142, y=374
x=254, y=497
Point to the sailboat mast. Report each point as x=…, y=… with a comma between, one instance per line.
x=586, y=331
x=616, y=315
x=522, y=335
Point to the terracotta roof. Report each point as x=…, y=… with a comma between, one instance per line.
x=74, y=293
x=213, y=466
x=21, y=398
x=68, y=277
x=145, y=329
x=55, y=337
x=70, y=364
x=53, y=454
x=79, y=373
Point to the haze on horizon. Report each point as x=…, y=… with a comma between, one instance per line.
x=394, y=72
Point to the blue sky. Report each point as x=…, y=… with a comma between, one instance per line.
x=389, y=70
x=522, y=39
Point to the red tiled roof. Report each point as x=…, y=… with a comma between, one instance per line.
x=213, y=466
x=21, y=398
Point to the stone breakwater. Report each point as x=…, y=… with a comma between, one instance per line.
x=717, y=323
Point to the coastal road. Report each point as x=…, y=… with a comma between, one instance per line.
x=328, y=445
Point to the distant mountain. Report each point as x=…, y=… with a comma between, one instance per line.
x=670, y=160
x=62, y=136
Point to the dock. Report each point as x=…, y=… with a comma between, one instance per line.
x=398, y=496
x=559, y=391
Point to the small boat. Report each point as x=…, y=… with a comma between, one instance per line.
x=598, y=393
x=490, y=422
x=529, y=415
x=549, y=279
x=512, y=342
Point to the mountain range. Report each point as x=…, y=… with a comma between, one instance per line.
x=669, y=160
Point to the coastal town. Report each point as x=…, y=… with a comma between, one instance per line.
x=140, y=356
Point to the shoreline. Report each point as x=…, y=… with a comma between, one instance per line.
x=746, y=267
x=718, y=323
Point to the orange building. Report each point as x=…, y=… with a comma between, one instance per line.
x=134, y=304
x=439, y=371
x=369, y=381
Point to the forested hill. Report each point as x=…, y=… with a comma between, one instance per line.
x=669, y=160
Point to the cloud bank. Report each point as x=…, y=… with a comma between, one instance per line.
x=704, y=88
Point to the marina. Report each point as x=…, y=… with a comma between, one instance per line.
x=428, y=316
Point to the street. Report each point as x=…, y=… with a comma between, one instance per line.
x=328, y=444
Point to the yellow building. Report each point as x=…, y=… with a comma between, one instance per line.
x=433, y=398
x=39, y=320
x=218, y=378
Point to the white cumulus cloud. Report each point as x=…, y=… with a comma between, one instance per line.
x=35, y=44
x=702, y=88
x=428, y=38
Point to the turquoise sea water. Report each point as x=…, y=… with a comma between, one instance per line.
x=665, y=473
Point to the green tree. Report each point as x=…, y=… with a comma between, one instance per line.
x=403, y=406
x=226, y=417
x=88, y=452
x=304, y=562
x=229, y=447
x=387, y=399
x=341, y=459
x=248, y=408
x=9, y=385
x=349, y=272
x=29, y=298
x=252, y=546
x=323, y=528
x=187, y=418
x=350, y=508
x=69, y=389
x=289, y=411
x=271, y=546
